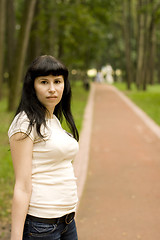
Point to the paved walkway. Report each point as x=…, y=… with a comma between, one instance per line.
x=121, y=197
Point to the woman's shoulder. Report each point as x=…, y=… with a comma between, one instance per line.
x=19, y=119
x=20, y=123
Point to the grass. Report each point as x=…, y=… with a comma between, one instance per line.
x=78, y=103
x=148, y=101
x=6, y=170
x=79, y=98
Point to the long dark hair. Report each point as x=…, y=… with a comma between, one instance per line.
x=43, y=66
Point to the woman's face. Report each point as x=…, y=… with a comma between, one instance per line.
x=49, y=90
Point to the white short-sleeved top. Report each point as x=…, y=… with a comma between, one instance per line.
x=54, y=190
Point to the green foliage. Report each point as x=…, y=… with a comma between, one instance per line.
x=88, y=33
x=74, y=31
x=83, y=42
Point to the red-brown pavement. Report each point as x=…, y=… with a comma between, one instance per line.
x=121, y=197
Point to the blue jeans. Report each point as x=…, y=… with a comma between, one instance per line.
x=42, y=231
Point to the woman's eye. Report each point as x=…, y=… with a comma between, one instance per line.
x=57, y=81
x=44, y=82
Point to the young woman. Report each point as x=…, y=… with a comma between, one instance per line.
x=45, y=192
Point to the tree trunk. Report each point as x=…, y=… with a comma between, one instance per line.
x=146, y=48
x=2, y=40
x=158, y=70
x=127, y=38
x=158, y=59
x=60, y=44
x=61, y=35
x=147, y=44
x=34, y=40
x=151, y=57
x=141, y=42
x=10, y=30
x=21, y=51
x=152, y=44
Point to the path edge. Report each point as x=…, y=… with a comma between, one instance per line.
x=81, y=161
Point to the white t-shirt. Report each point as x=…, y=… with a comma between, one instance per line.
x=54, y=189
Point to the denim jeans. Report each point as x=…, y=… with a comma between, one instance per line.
x=42, y=231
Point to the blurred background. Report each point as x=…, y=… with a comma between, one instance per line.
x=84, y=34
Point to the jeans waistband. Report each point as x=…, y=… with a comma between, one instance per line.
x=68, y=218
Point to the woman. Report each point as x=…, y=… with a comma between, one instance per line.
x=45, y=193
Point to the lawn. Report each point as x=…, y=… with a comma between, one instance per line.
x=6, y=170
x=148, y=101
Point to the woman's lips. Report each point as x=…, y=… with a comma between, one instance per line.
x=52, y=97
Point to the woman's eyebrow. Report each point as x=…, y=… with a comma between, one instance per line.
x=58, y=77
x=43, y=78
x=55, y=78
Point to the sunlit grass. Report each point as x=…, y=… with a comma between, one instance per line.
x=148, y=101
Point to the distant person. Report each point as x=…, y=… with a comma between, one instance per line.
x=45, y=192
x=109, y=76
x=99, y=77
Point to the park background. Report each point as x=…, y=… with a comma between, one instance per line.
x=84, y=34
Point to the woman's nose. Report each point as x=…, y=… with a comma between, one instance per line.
x=51, y=88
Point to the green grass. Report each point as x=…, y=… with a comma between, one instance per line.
x=78, y=103
x=148, y=101
x=6, y=169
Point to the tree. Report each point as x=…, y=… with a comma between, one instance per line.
x=127, y=40
x=10, y=38
x=146, y=45
x=2, y=40
x=21, y=51
x=141, y=43
x=152, y=42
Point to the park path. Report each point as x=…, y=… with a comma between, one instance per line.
x=121, y=196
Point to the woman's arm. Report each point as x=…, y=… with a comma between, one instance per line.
x=21, y=151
